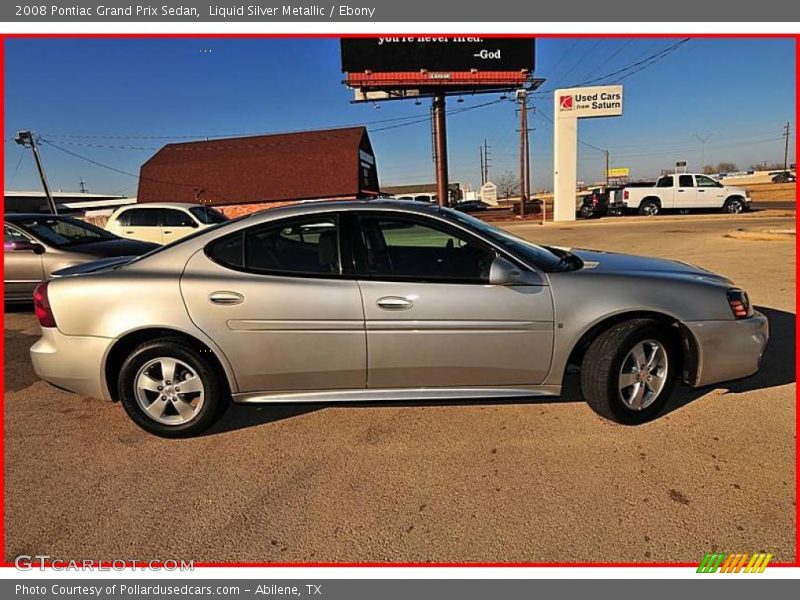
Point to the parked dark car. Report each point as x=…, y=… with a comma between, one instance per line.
x=532, y=207
x=784, y=177
x=36, y=246
x=471, y=206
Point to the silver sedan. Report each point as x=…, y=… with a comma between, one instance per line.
x=384, y=300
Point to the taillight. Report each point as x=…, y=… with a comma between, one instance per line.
x=41, y=306
x=740, y=304
x=625, y=194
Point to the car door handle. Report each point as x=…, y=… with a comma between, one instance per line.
x=701, y=191
x=168, y=231
x=129, y=231
x=681, y=191
x=394, y=303
x=225, y=298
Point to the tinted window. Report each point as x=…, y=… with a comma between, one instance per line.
x=145, y=217
x=665, y=182
x=703, y=181
x=404, y=248
x=308, y=246
x=12, y=235
x=124, y=218
x=685, y=181
x=177, y=218
x=207, y=215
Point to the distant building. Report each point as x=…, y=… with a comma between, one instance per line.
x=424, y=192
x=245, y=174
x=68, y=203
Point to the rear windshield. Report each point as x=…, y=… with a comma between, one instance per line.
x=207, y=215
x=64, y=231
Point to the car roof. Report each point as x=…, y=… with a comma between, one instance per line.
x=162, y=205
x=320, y=206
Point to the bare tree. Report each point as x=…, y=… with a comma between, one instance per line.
x=507, y=184
x=727, y=167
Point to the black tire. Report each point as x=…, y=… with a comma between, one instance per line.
x=586, y=212
x=216, y=396
x=649, y=208
x=603, y=361
x=734, y=205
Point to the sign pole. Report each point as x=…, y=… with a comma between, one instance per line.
x=440, y=148
x=523, y=128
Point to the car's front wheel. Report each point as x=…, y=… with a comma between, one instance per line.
x=171, y=389
x=733, y=206
x=629, y=370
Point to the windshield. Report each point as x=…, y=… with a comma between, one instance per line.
x=65, y=231
x=207, y=216
x=545, y=258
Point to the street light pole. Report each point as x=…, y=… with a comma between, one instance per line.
x=440, y=148
x=28, y=140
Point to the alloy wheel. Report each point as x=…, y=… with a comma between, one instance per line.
x=643, y=374
x=169, y=391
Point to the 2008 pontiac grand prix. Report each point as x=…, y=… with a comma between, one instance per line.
x=384, y=300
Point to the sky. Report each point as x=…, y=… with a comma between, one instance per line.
x=116, y=101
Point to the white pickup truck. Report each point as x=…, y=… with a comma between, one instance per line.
x=682, y=191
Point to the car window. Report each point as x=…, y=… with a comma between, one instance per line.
x=402, y=248
x=12, y=235
x=307, y=246
x=177, y=218
x=124, y=218
x=145, y=217
x=207, y=215
x=703, y=181
x=665, y=182
x=685, y=181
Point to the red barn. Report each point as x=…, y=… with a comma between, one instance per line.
x=245, y=174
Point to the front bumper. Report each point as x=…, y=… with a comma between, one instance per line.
x=729, y=349
x=72, y=362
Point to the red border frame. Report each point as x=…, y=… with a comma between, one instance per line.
x=796, y=37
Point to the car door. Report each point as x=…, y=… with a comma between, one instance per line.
x=23, y=267
x=176, y=224
x=432, y=318
x=709, y=193
x=145, y=225
x=685, y=192
x=274, y=298
x=666, y=191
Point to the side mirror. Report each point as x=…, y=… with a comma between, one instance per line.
x=504, y=272
x=24, y=246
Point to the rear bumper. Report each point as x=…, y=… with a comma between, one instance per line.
x=72, y=362
x=729, y=349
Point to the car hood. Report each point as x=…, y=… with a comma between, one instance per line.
x=630, y=264
x=109, y=248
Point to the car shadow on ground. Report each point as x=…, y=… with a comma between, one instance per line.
x=778, y=368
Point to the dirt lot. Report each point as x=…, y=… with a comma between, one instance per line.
x=512, y=481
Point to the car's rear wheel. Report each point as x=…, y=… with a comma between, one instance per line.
x=629, y=371
x=171, y=389
x=649, y=208
x=733, y=206
x=586, y=212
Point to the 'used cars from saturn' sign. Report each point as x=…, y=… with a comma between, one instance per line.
x=601, y=101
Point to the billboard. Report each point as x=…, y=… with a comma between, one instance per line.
x=600, y=101
x=453, y=54
x=619, y=172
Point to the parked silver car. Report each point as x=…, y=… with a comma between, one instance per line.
x=35, y=246
x=384, y=300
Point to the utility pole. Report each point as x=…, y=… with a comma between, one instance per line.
x=83, y=185
x=523, y=150
x=703, y=140
x=485, y=161
x=483, y=173
x=608, y=166
x=28, y=140
x=786, y=130
x=440, y=148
